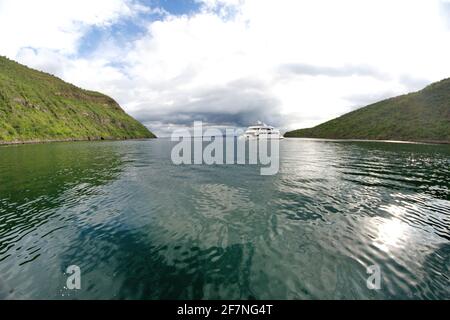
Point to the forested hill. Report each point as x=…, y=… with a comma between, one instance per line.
x=419, y=116
x=36, y=106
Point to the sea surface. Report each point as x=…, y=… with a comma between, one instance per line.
x=140, y=227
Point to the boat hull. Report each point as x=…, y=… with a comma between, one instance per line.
x=261, y=137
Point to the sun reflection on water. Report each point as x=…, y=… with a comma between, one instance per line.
x=391, y=234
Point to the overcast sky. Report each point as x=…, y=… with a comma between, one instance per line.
x=292, y=64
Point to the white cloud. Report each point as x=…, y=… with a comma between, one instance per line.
x=55, y=24
x=294, y=63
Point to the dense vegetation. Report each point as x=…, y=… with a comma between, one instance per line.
x=419, y=116
x=36, y=106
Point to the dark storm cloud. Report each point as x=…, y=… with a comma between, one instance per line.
x=243, y=102
x=344, y=71
x=237, y=104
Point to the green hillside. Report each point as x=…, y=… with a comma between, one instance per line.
x=36, y=106
x=419, y=116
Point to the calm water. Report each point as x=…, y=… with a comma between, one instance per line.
x=140, y=227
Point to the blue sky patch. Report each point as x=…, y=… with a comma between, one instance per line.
x=129, y=29
x=175, y=7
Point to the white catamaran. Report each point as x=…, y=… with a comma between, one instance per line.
x=262, y=131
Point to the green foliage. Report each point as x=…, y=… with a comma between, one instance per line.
x=36, y=106
x=420, y=116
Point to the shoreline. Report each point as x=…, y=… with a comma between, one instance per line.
x=433, y=142
x=30, y=142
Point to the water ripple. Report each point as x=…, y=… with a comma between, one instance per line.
x=141, y=228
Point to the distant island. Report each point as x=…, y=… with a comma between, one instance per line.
x=422, y=116
x=38, y=107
